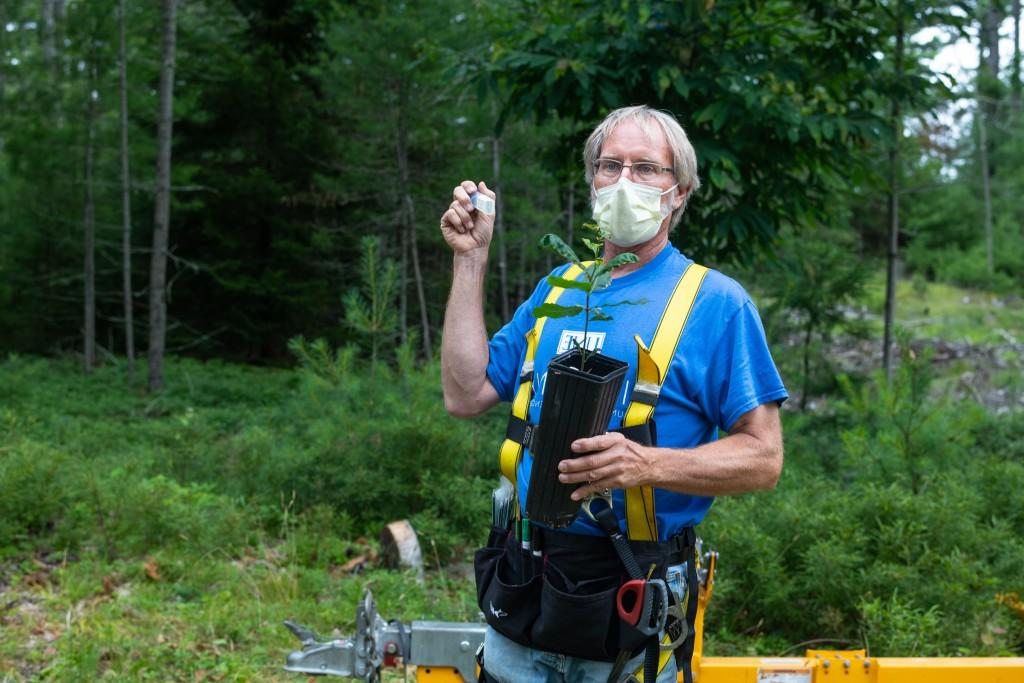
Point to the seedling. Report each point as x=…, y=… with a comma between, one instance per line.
x=595, y=277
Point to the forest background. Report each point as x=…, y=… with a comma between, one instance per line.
x=249, y=191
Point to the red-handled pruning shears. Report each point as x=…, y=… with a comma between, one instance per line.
x=643, y=604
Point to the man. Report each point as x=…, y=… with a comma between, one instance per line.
x=642, y=170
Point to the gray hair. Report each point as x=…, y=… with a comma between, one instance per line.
x=684, y=158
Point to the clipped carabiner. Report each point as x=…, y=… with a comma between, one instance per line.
x=605, y=495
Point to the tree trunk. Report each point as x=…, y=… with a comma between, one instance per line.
x=414, y=253
x=3, y=61
x=409, y=216
x=521, y=281
x=988, y=37
x=48, y=32
x=988, y=72
x=807, y=364
x=403, y=284
x=570, y=213
x=126, y=202
x=162, y=212
x=986, y=187
x=499, y=227
x=89, y=265
x=1015, y=84
x=894, y=203
x=49, y=12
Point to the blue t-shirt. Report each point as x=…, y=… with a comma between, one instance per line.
x=722, y=367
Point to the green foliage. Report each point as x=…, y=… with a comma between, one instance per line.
x=811, y=283
x=895, y=625
x=777, y=111
x=967, y=268
x=895, y=525
x=371, y=312
x=898, y=431
x=318, y=358
x=597, y=275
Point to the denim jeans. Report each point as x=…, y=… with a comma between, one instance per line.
x=509, y=662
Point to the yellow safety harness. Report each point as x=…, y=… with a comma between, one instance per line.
x=652, y=369
x=653, y=363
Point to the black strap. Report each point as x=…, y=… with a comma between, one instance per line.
x=651, y=656
x=684, y=654
x=520, y=431
x=645, y=434
x=610, y=524
x=650, y=399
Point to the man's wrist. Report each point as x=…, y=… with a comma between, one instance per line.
x=474, y=258
x=656, y=474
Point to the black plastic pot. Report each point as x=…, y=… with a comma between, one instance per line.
x=577, y=404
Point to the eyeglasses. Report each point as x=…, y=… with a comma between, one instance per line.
x=644, y=171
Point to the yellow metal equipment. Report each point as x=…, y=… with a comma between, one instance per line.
x=443, y=653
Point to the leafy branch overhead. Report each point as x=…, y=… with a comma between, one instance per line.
x=779, y=98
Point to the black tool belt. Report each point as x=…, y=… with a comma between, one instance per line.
x=560, y=595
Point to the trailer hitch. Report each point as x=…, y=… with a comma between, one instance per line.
x=376, y=643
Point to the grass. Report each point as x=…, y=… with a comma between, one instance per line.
x=192, y=618
x=167, y=538
x=934, y=310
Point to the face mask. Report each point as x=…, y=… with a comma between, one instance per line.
x=631, y=213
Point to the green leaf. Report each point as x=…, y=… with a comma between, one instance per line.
x=718, y=177
x=716, y=113
x=595, y=230
x=623, y=259
x=556, y=244
x=556, y=311
x=664, y=81
x=812, y=127
x=680, y=85
x=556, y=281
x=596, y=314
x=594, y=247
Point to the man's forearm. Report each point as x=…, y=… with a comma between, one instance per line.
x=749, y=459
x=737, y=463
x=464, y=351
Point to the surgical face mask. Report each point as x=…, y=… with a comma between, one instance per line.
x=631, y=213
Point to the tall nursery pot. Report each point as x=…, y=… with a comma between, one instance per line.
x=577, y=404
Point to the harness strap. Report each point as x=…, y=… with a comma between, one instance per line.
x=651, y=370
x=684, y=655
x=609, y=523
x=522, y=432
x=684, y=652
x=511, y=448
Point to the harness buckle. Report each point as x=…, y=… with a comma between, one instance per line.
x=600, y=495
x=646, y=392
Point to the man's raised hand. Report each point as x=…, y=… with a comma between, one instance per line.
x=464, y=228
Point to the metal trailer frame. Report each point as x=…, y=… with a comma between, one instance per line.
x=446, y=652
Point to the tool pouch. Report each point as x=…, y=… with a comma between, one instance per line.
x=508, y=585
x=567, y=604
x=577, y=618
